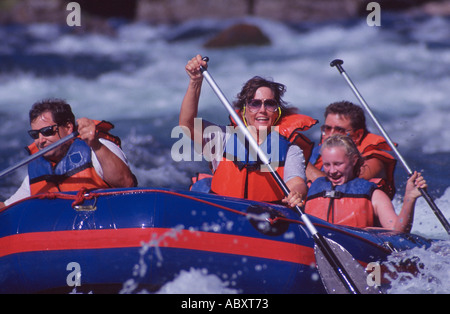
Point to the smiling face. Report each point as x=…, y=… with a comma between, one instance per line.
x=340, y=124
x=45, y=120
x=337, y=165
x=261, y=119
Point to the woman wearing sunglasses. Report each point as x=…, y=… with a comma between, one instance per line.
x=93, y=160
x=237, y=172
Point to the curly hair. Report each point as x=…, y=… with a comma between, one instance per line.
x=339, y=140
x=251, y=86
x=60, y=110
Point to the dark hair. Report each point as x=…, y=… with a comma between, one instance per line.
x=349, y=110
x=60, y=110
x=249, y=89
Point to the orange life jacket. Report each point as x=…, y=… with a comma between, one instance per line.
x=371, y=146
x=73, y=172
x=347, y=204
x=291, y=126
x=238, y=176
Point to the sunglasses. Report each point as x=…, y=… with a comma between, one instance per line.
x=326, y=130
x=270, y=105
x=46, y=131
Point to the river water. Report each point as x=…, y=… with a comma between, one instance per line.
x=136, y=80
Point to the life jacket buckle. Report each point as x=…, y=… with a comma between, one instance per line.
x=332, y=194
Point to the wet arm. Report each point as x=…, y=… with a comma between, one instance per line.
x=189, y=106
x=115, y=172
x=384, y=209
x=312, y=173
x=412, y=193
x=372, y=168
x=295, y=176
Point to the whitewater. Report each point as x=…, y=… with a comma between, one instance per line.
x=136, y=80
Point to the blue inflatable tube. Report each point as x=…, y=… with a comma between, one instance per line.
x=98, y=240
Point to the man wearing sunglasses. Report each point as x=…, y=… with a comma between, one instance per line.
x=346, y=118
x=262, y=109
x=92, y=160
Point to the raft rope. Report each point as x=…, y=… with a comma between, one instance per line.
x=85, y=194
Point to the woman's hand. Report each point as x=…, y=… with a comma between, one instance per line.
x=413, y=184
x=193, y=68
x=293, y=199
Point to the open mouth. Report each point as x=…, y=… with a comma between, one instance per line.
x=335, y=178
x=262, y=119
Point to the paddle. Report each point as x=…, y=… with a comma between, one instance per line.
x=39, y=154
x=339, y=271
x=338, y=64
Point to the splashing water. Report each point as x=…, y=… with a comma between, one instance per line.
x=196, y=281
x=193, y=281
x=130, y=76
x=431, y=270
x=140, y=269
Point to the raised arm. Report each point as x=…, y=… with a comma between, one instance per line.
x=385, y=210
x=189, y=106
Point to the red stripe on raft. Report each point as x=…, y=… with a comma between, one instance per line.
x=162, y=237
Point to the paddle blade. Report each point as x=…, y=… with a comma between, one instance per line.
x=333, y=284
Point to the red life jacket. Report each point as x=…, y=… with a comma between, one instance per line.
x=73, y=172
x=238, y=178
x=347, y=204
x=374, y=146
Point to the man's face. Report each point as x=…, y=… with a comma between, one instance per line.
x=336, y=124
x=58, y=132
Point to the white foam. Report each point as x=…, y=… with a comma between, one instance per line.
x=196, y=281
x=431, y=273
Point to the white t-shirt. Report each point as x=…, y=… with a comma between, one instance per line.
x=24, y=190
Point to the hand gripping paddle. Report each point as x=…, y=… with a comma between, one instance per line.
x=339, y=271
x=338, y=64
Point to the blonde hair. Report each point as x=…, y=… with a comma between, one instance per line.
x=339, y=140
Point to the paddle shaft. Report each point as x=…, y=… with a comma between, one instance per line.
x=319, y=240
x=338, y=64
x=39, y=154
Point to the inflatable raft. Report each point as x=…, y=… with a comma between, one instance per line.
x=95, y=241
